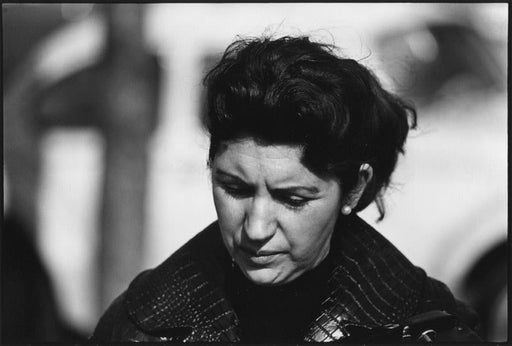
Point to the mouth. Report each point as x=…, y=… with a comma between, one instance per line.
x=259, y=258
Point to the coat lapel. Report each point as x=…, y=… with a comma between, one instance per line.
x=179, y=301
x=372, y=284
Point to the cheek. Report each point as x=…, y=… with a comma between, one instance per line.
x=309, y=232
x=229, y=211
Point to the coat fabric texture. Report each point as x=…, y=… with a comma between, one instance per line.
x=372, y=286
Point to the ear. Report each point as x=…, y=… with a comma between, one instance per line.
x=364, y=176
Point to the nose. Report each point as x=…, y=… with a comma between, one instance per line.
x=259, y=224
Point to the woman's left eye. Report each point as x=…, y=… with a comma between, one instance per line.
x=294, y=202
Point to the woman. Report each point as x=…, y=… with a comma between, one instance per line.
x=301, y=140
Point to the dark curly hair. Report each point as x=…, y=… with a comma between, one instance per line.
x=294, y=91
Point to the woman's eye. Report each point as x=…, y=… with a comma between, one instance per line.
x=294, y=202
x=237, y=191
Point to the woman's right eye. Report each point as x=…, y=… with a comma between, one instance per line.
x=237, y=191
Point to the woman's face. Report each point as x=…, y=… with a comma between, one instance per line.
x=276, y=217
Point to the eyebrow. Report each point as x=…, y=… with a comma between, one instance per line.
x=222, y=173
x=287, y=189
x=293, y=189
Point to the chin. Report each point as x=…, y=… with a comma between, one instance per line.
x=267, y=276
x=263, y=276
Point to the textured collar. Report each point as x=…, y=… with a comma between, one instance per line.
x=183, y=295
x=372, y=285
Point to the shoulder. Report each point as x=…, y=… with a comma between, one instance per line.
x=160, y=304
x=382, y=284
x=395, y=287
x=116, y=325
x=437, y=296
x=374, y=286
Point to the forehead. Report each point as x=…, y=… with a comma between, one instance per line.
x=252, y=160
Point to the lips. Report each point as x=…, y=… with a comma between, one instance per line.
x=259, y=253
x=259, y=257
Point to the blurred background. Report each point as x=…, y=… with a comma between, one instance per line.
x=105, y=157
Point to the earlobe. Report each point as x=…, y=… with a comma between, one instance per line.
x=364, y=176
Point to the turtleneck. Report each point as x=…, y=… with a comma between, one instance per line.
x=278, y=313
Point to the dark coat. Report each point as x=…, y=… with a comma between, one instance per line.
x=372, y=287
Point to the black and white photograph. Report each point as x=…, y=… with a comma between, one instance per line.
x=255, y=173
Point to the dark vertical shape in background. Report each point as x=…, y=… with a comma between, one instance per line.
x=29, y=310
x=129, y=118
x=118, y=96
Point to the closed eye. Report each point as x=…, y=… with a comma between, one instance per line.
x=294, y=202
x=232, y=185
x=237, y=191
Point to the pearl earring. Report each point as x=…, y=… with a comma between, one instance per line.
x=346, y=210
